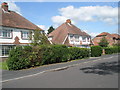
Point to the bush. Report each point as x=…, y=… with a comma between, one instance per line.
x=54, y=54
x=111, y=50
x=18, y=58
x=35, y=56
x=78, y=53
x=96, y=51
x=23, y=57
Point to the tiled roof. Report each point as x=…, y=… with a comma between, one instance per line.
x=107, y=35
x=60, y=34
x=12, y=19
x=116, y=35
x=103, y=34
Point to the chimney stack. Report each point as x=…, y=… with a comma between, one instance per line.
x=4, y=6
x=68, y=21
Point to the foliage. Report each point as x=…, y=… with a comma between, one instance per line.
x=44, y=40
x=103, y=42
x=54, y=54
x=18, y=58
x=111, y=50
x=78, y=53
x=35, y=57
x=38, y=38
x=3, y=65
x=96, y=51
x=116, y=44
x=23, y=57
x=50, y=29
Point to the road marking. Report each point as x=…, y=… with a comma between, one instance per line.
x=57, y=69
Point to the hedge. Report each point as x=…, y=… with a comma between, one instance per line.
x=18, y=58
x=111, y=50
x=54, y=54
x=78, y=53
x=96, y=51
x=23, y=57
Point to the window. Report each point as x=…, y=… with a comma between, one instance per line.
x=6, y=33
x=76, y=38
x=25, y=35
x=84, y=39
x=71, y=38
x=88, y=39
x=5, y=50
x=50, y=38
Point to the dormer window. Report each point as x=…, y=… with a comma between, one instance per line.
x=5, y=33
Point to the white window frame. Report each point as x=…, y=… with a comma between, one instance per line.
x=84, y=39
x=72, y=39
x=24, y=34
x=76, y=38
x=7, y=32
x=5, y=50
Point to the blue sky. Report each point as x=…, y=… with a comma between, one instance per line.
x=93, y=18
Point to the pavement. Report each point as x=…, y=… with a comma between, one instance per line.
x=97, y=72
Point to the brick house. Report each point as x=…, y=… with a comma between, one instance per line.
x=14, y=29
x=111, y=38
x=70, y=35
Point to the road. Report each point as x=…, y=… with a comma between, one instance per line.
x=97, y=73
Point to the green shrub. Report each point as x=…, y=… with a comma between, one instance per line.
x=78, y=53
x=96, y=51
x=54, y=54
x=22, y=57
x=35, y=56
x=111, y=50
x=18, y=58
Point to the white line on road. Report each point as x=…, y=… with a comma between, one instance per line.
x=62, y=68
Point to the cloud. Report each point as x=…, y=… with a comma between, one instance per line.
x=92, y=34
x=14, y=7
x=43, y=27
x=105, y=14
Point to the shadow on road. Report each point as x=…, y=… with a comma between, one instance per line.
x=103, y=68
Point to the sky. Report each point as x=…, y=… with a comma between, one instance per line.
x=91, y=17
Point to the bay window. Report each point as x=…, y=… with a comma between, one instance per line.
x=71, y=38
x=76, y=38
x=84, y=39
x=5, y=50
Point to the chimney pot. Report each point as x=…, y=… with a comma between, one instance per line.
x=4, y=5
x=68, y=21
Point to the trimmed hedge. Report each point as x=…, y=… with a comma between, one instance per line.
x=96, y=51
x=78, y=53
x=54, y=54
x=18, y=58
x=23, y=57
x=111, y=50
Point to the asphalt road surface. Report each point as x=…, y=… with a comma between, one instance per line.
x=98, y=73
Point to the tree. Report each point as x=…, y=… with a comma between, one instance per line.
x=38, y=38
x=50, y=29
x=103, y=42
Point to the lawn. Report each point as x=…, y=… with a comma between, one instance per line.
x=3, y=65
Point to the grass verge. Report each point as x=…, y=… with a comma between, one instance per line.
x=3, y=65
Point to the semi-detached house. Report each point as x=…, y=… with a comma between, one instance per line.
x=14, y=29
x=70, y=35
